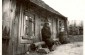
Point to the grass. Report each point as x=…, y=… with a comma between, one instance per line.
x=76, y=38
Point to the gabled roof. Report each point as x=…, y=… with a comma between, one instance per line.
x=45, y=6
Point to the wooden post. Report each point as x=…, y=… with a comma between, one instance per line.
x=56, y=27
x=66, y=28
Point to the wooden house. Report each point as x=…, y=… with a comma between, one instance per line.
x=22, y=22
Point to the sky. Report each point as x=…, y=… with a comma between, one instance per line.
x=72, y=9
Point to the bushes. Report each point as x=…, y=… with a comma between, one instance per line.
x=63, y=38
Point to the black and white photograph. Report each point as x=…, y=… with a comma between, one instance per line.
x=43, y=27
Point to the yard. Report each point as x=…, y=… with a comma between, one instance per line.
x=76, y=38
x=73, y=48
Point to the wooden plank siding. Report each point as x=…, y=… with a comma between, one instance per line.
x=14, y=19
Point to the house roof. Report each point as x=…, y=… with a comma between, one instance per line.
x=45, y=6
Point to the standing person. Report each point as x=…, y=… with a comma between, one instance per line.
x=46, y=36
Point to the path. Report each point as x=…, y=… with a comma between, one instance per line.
x=69, y=49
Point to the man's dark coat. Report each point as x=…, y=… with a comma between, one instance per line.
x=46, y=36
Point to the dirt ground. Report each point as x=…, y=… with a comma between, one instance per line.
x=75, y=48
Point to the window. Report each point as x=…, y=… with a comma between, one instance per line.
x=60, y=24
x=28, y=27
